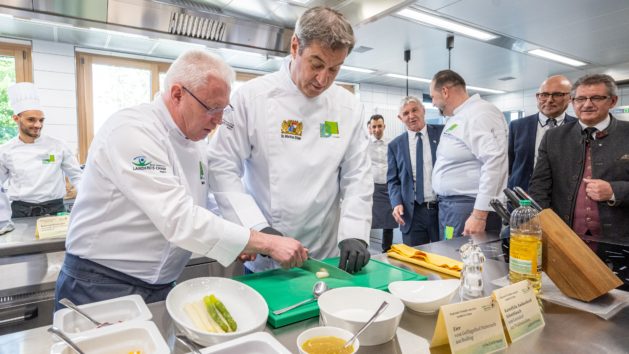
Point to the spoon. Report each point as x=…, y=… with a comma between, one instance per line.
x=380, y=310
x=69, y=304
x=183, y=339
x=66, y=339
x=319, y=288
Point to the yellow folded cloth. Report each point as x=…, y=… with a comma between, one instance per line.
x=427, y=260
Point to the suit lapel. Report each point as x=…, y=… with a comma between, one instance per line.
x=531, y=133
x=407, y=155
x=433, y=136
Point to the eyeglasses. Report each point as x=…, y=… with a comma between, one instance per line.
x=554, y=95
x=211, y=111
x=594, y=99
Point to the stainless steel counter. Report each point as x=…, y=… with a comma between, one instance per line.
x=22, y=240
x=567, y=330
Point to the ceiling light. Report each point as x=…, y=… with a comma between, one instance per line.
x=411, y=78
x=116, y=33
x=359, y=70
x=446, y=24
x=50, y=23
x=556, y=57
x=242, y=52
x=474, y=88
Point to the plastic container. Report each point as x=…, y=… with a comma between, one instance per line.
x=525, y=252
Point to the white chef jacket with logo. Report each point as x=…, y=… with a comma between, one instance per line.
x=303, y=160
x=35, y=172
x=141, y=209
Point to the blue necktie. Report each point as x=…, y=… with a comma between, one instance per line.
x=419, y=168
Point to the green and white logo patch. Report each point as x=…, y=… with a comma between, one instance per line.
x=141, y=163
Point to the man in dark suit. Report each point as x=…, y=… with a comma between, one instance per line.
x=582, y=172
x=526, y=134
x=411, y=157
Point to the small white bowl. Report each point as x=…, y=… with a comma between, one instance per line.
x=425, y=296
x=258, y=343
x=114, y=311
x=247, y=307
x=122, y=338
x=350, y=308
x=326, y=331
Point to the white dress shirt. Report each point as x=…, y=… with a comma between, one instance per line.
x=429, y=195
x=542, y=128
x=378, y=155
x=141, y=209
x=35, y=172
x=472, y=154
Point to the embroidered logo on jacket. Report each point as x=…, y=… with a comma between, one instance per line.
x=140, y=163
x=329, y=129
x=292, y=129
x=50, y=159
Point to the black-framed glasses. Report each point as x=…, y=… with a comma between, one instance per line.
x=594, y=99
x=211, y=111
x=554, y=95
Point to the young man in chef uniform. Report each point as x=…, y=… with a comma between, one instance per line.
x=292, y=159
x=35, y=165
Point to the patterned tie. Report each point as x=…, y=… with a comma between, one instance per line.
x=589, y=132
x=419, y=168
x=551, y=123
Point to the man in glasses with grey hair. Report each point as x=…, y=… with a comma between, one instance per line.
x=582, y=171
x=292, y=159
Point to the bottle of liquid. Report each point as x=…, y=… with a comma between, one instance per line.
x=525, y=253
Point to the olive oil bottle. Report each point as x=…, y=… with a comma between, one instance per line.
x=525, y=249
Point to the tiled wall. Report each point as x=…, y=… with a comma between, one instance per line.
x=55, y=78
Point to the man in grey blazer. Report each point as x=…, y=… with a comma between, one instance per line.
x=582, y=172
x=525, y=134
x=411, y=156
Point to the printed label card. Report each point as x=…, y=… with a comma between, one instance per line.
x=519, y=308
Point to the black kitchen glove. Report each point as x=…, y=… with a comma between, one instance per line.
x=354, y=255
x=272, y=231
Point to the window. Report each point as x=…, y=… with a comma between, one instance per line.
x=108, y=84
x=513, y=115
x=15, y=66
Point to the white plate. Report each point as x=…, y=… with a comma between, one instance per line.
x=115, y=311
x=122, y=338
x=254, y=343
x=425, y=296
x=247, y=307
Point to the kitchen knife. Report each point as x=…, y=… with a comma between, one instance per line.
x=313, y=265
x=513, y=199
x=522, y=194
x=500, y=210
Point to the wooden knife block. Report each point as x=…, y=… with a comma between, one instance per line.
x=576, y=270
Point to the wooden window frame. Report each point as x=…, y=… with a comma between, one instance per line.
x=85, y=96
x=23, y=60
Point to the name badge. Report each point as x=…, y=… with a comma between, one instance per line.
x=519, y=308
x=329, y=129
x=470, y=327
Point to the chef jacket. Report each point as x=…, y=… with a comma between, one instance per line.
x=472, y=155
x=141, y=209
x=35, y=172
x=303, y=160
x=378, y=155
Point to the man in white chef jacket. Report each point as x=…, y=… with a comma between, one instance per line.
x=142, y=210
x=300, y=146
x=35, y=166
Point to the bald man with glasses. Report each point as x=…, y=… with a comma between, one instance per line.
x=582, y=171
x=525, y=134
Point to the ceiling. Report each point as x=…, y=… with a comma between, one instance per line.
x=595, y=32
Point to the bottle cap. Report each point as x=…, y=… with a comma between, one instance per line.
x=525, y=202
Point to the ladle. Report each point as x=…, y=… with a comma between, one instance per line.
x=319, y=288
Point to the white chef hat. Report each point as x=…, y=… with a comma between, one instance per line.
x=23, y=97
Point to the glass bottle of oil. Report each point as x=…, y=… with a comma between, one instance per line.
x=525, y=249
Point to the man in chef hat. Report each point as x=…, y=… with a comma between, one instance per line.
x=35, y=166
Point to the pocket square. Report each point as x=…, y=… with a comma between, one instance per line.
x=624, y=157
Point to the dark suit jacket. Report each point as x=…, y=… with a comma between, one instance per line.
x=400, y=174
x=559, y=171
x=522, y=133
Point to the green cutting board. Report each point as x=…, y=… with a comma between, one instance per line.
x=281, y=288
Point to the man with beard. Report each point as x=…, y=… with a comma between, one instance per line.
x=35, y=165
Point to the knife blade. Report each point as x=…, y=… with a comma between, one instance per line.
x=313, y=265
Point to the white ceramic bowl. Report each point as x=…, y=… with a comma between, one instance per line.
x=349, y=308
x=114, y=311
x=425, y=296
x=326, y=331
x=246, y=306
x=123, y=338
